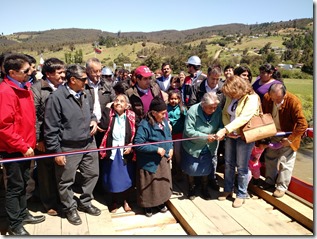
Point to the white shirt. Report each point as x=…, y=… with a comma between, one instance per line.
x=118, y=134
x=97, y=108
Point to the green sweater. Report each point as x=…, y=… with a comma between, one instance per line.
x=196, y=125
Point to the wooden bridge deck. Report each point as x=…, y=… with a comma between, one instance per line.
x=197, y=217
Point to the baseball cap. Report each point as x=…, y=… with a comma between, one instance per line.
x=143, y=71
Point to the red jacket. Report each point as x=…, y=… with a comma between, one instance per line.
x=17, y=118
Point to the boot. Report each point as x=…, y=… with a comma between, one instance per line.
x=204, y=188
x=191, y=188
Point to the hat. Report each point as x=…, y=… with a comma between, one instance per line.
x=158, y=104
x=143, y=71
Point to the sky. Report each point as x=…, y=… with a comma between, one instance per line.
x=145, y=16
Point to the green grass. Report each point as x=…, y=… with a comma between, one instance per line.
x=300, y=86
x=303, y=89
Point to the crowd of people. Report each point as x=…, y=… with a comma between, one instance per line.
x=133, y=118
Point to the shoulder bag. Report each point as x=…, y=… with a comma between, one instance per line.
x=259, y=127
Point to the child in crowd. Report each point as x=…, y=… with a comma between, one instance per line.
x=254, y=162
x=176, y=114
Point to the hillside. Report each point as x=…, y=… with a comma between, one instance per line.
x=60, y=37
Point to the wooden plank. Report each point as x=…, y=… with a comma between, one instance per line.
x=220, y=218
x=280, y=224
x=51, y=226
x=297, y=211
x=70, y=229
x=166, y=230
x=191, y=217
x=141, y=221
x=100, y=225
x=247, y=219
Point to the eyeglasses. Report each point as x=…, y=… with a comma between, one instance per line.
x=81, y=79
x=25, y=71
x=107, y=76
x=189, y=66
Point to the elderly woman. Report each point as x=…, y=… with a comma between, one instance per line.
x=117, y=167
x=200, y=155
x=154, y=184
x=241, y=104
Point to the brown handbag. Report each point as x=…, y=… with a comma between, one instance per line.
x=259, y=127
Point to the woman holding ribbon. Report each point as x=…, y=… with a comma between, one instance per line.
x=200, y=155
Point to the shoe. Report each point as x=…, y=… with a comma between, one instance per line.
x=126, y=207
x=52, y=212
x=265, y=186
x=214, y=184
x=113, y=208
x=205, y=194
x=73, y=217
x=33, y=219
x=255, y=181
x=20, y=231
x=278, y=193
x=148, y=212
x=238, y=202
x=224, y=195
x=91, y=209
x=191, y=193
x=162, y=208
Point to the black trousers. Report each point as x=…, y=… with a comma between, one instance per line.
x=47, y=183
x=17, y=175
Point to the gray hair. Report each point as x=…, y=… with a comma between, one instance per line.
x=209, y=98
x=75, y=70
x=92, y=60
x=126, y=99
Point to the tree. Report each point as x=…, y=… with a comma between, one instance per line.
x=78, y=56
x=68, y=58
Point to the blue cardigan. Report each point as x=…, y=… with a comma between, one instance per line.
x=146, y=156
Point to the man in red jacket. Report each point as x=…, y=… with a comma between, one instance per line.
x=18, y=138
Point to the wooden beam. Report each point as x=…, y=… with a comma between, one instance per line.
x=286, y=207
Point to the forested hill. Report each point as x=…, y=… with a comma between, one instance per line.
x=40, y=39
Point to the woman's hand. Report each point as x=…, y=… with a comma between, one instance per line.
x=161, y=151
x=211, y=138
x=221, y=134
x=170, y=154
x=127, y=150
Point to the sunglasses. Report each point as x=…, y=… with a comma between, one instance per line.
x=25, y=71
x=81, y=79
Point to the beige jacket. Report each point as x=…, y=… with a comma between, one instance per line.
x=247, y=106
